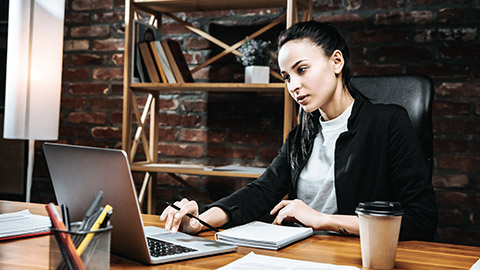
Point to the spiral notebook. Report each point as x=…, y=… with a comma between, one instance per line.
x=263, y=235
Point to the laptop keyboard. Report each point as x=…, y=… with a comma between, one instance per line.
x=160, y=248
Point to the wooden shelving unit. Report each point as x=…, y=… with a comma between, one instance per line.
x=158, y=8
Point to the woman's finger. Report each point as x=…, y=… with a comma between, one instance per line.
x=279, y=206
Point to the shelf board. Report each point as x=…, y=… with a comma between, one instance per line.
x=210, y=87
x=188, y=169
x=153, y=6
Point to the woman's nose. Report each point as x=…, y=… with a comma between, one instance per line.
x=294, y=85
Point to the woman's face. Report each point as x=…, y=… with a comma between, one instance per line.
x=311, y=76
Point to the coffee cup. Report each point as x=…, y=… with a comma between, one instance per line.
x=379, y=224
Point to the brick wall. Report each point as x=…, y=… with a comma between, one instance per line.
x=432, y=37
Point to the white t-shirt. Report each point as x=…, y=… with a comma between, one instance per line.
x=316, y=183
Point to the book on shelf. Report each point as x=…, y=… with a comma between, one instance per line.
x=149, y=62
x=177, y=60
x=141, y=32
x=162, y=62
x=259, y=234
x=23, y=224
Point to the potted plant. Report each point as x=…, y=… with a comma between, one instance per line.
x=255, y=57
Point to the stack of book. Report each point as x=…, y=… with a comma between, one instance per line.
x=164, y=62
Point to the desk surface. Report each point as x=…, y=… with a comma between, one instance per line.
x=32, y=253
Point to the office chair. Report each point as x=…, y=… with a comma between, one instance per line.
x=414, y=93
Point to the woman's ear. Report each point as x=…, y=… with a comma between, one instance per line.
x=338, y=61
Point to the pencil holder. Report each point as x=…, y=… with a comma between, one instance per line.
x=96, y=255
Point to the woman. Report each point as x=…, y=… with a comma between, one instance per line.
x=345, y=151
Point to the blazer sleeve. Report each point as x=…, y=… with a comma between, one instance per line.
x=257, y=198
x=409, y=179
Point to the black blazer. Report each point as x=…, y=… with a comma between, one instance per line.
x=378, y=158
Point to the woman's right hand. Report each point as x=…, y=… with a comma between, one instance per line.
x=176, y=220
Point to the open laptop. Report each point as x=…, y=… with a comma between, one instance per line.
x=79, y=172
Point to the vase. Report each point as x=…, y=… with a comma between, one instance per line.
x=257, y=74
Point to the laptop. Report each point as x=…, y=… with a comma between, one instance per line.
x=79, y=172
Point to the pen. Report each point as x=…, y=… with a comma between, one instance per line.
x=65, y=216
x=192, y=216
x=95, y=226
x=92, y=208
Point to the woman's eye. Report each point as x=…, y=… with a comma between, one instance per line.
x=301, y=70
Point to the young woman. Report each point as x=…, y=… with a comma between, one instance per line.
x=345, y=151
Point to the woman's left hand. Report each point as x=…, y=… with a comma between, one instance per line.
x=298, y=211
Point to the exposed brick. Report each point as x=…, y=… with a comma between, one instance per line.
x=76, y=18
x=109, y=16
x=450, y=180
x=197, y=43
x=193, y=58
x=90, y=31
x=168, y=104
x=447, y=71
x=327, y=5
x=343, y=20
x=413, y=17
x=181, y=150
x=88, y=88
x=459, y=51
x=180, y=120
x=88, y=59
x=377, y=70
x=120, y=3
x=107, y=103
x=194, y=105
x=108, y=73
x=194, y=135
x=464, y=89
x=174, y=28
x=107, y=132
x=456, y=199
x=451, y=217
x=75, y=74
x=475, y=218
x=402, y=53
x=80, y=5
x=451, y=108
x=374, y=4
x=202, y=75
x=446, y=145
x=76, y=45
x=87, y=118
x=111, y=44
x=476, y=146
x=207, y=14
x=256, y=12
x=73, y=131
x=457, y=162
x=456, y=235
x=268, y=153
x=230, y=153
x=446, y=34
x=451, y=15
x=116, y=118
x=380, y=36
x=215, y=137
x=117, y=89
x=72, y=102
x=167, y=134
x=456, y=126
x=117, y=58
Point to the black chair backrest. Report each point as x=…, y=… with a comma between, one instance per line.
x=414, y=93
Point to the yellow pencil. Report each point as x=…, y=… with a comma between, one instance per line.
x=81, y=248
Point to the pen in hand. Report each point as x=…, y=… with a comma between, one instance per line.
x=195, y=217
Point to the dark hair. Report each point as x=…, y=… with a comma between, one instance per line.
x=328, y=38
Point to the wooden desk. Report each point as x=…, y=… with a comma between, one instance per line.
x=32, y=253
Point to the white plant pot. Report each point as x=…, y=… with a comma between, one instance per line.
x=257, y=74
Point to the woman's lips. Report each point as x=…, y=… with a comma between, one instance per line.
x=302, y=99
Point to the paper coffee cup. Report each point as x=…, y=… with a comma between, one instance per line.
x=379, y=224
